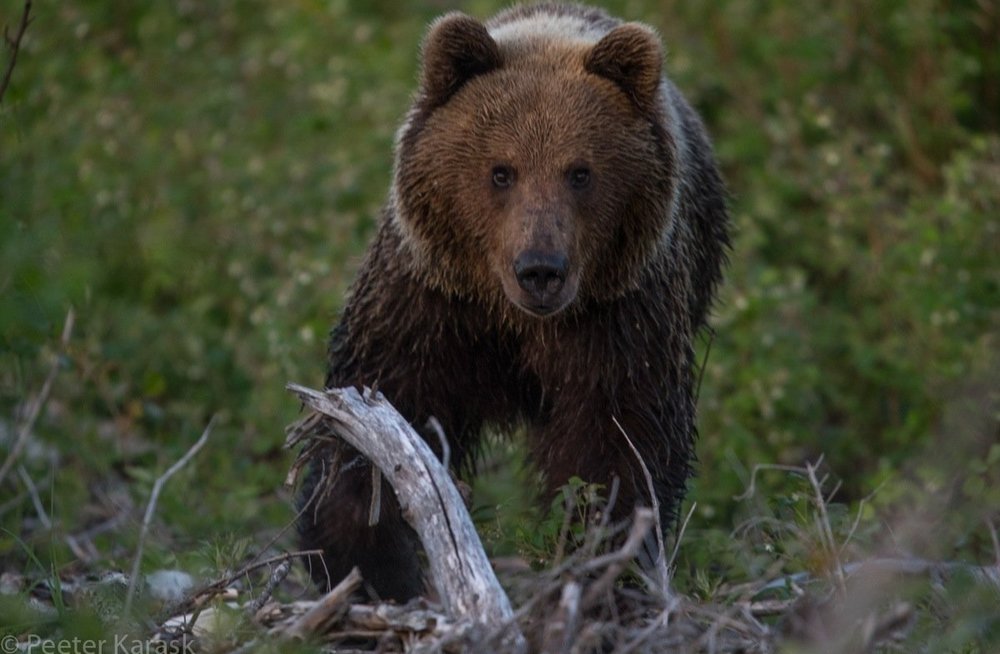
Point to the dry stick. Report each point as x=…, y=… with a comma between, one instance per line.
x=604, y=531
x=822, y=518
x=35, y=499
x=826, y=531
x=857, y=518
x=36, y=407
x=435, y=425
x=560, y=631
x=151, y=509
x=680, y=535
x=752, y=488
x=197, y=599
x=253, y=563
x=277, y=576
x=330, y=608
x=661, y=559
x=572, y=566
x=430, y=502
x=876, y=629
x=615, y=562
x=569, y=504
x=15, y=46
x=390, y=617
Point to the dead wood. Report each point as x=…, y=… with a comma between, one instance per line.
x=459, y=569
x=327, y=610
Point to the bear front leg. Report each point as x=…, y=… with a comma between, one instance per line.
x=597, y=451
x=335, y=519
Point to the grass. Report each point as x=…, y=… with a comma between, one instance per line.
x=197, y=182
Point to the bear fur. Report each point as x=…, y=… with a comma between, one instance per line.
x=552, y=242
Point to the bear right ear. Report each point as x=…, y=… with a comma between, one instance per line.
x=631, y=56
x=456, y=49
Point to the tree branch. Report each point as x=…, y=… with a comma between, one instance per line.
x=430, y=502
x=15, y=46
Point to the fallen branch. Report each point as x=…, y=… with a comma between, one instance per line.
x=430, y=502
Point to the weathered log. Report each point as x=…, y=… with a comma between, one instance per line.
x=459, y=568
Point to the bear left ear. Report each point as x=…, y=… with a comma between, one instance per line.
x=456, y=49
x=631, y=56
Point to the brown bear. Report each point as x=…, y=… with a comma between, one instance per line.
x=551, y=244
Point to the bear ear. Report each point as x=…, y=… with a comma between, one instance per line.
x=631, y=56
x=456, y=49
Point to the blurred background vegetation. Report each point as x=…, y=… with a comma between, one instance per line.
x=197, y=180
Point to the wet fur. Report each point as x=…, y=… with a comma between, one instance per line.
x=428, y=321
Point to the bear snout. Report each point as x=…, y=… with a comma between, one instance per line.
x=542, y=276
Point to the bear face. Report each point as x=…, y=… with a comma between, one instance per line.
x=535, y=172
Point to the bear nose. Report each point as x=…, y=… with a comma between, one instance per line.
x=541, y=274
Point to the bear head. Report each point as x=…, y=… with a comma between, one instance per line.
x=535, y=169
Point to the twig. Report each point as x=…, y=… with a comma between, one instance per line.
x=574, y=566
x=281, y=532
x=36, y=407
x=660, y=563
x=15, y=46
x=197, y=598
x=151, y=509
x=106, y=525
x=857, y=518
x=560, y=630
x=764, y=608
x=37, y=501
x=822, y=518
x=826, y=530
x=876, y=629
x=277, y=576
x=327, y=610
x=435, y=425
x=704, y=363
x=752, y=488
x=20, y=497
x=597, y=537
x=680, y=535
x=569, y=505
x=614, y=563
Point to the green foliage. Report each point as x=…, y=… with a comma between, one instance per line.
x=863, y=295
x=563, y=528
x=198, y=180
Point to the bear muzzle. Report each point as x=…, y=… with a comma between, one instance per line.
x=545, y=284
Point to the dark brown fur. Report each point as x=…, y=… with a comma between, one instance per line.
x=440, y=323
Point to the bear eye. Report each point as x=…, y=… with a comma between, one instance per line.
x=579, y=178
x=503, y=176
